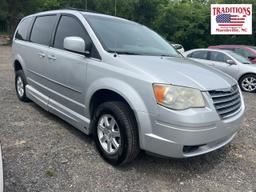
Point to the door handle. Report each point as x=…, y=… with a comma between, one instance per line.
x=51, y=57
x=42, y=55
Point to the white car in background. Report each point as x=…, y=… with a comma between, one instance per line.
x=240, y=68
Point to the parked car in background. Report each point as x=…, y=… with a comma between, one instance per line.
x=246, y=51
x=127, y=86
x=229, y=62
x=178, y=47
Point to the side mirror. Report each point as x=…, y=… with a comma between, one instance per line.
x=177, y=46
x=77, y=45
x=231, y=62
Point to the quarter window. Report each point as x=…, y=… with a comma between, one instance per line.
x=42, y=29
x=23, y=28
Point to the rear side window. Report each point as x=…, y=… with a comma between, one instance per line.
x=69, y=26
x=23, y=29
x=198, y=55
x=42, y=29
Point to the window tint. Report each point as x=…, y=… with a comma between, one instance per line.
x=220, y=57
x=22, y=31
x=42, y=29
x=243, y=52
x=69, y=26
x=199, y=54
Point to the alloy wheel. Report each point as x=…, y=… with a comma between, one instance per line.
x=249, y=84
x=108, y=134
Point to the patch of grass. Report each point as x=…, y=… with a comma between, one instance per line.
x=50, y=173
x=4, y=33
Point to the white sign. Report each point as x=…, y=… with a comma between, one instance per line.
x=231, y=19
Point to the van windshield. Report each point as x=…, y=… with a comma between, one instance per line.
x=127, y=37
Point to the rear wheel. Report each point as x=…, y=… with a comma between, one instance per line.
x=115, y=132
x=248, y=83
x=20, y=84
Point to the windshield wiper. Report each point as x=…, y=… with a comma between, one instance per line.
x=124, y=52
x=171, y=55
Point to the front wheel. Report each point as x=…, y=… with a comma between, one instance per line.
x=115, y=132
x=248, y=83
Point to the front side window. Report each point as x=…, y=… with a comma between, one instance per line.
x=199, y=55
x=219, y=57
x=42, y=29
x=69, y=26
x=23, y=28
x=240, y=58
x=126, y=37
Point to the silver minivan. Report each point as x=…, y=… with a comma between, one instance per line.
x=124, y=84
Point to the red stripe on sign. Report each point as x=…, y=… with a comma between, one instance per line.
x=233, y=15
x=237, y=21
x=231, y=25
x=242, y=19
x=228, y=27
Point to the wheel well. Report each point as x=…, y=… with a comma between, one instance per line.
x=17, y=66
x=102, y=96
x=245, y=75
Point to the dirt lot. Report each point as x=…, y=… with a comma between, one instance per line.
x=43, y=153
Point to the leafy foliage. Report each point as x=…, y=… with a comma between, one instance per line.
x=182, y=21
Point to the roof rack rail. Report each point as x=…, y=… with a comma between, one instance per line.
x=79, y=9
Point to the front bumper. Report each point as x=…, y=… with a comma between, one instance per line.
x=187, y=133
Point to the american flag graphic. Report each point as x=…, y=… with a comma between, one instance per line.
x=229, y=20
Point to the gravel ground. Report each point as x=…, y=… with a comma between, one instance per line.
x=43, y=153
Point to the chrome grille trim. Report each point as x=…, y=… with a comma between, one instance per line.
x=226, y=102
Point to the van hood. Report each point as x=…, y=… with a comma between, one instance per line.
x=179, y=71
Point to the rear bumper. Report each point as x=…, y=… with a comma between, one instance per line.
x=187, y=133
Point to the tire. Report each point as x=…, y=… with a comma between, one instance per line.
x=20, y=84
x=247, y=83
x=128, y=134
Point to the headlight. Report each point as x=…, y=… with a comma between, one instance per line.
x=177, y=97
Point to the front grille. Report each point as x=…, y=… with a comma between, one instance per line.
x=227, y=102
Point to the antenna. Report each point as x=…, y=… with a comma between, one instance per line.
x=85, y=4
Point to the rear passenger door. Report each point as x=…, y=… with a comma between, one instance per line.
x=40, y=38
x=67, y=70
x=200, y=56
